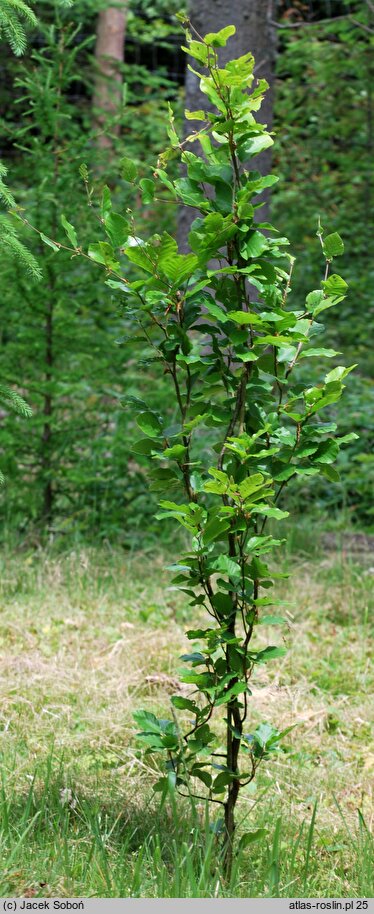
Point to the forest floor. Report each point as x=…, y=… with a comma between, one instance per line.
x=89, y=636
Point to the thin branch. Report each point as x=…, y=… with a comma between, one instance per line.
x=303, y=24
x=197, y=796
x=361, y=25
x=321, y=22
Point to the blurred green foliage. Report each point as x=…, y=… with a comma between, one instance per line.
x=324, y=155
x=324, y=152
x=70, y=466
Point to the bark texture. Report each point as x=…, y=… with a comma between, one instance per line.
x=255, y=33
x=109, y=54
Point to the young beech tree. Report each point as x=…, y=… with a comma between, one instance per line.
x=230, y=341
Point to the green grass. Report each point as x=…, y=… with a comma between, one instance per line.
x=89, y=636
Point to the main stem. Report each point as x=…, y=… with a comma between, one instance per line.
x=234, y=727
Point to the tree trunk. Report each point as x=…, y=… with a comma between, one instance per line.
x=109, y=54
x=255, y=33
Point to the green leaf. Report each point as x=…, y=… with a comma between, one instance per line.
x=254, y=145
x=270, y=511
x=321, y=353
x=250, y=485
x=338, y=373
x=265, y=734
x=117, y=229
x=221, y=781
x=333, y=246
x=103, y=253
x=314, y=299
x=198, y=51
x=143, y=446
x=51, y=244
x=219, y=39
x=248, y=356
x=128, y=168
x=106, y=203
x=148, y=188
x=346, y=438
x=269, y=653
x=149, y=424
x=140, y=254
x=176, y=452
x=184, y=704
x=330, y=472
x=195, y=657
x=216, y=487
x=324, y=304
x=327, y=452
x=147, y=721
x=179, y=509
x=70, y=231
x=227, y=566
x=256, y=245
x=250, y=837
x=237, y=689
x=203, y=776
x=335, y=286
x=272, y=620
x=195, y=115
x=244, y=317
x=215, y=528
x=215, y=310
x=178, y=267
